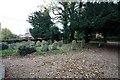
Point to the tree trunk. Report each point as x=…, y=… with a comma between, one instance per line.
x=71, y=36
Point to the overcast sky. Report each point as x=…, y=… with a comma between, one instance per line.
x=14, y=13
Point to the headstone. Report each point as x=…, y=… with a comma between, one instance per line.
x=99, y=45
x=74, y=45
x=38, y=44
x=82, y=43
x=54, y=45
x=45, y=46
x=60, y=43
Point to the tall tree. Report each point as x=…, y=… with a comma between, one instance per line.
x=41, y=22
x=55, y=33
x=7, y=34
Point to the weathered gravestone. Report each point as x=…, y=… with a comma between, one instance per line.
x=45, y=46
x=54, y=45
x=82, y=43
x=74, y=45
x=60, y=43
x=38, y=44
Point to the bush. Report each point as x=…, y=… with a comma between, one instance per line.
x=23, y=50
x=3, y=46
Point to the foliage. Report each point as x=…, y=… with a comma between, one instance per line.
x=3, y=46
x=41, y=22
x=13, y=45
x=77, y=35
x=55, y=33
x=89, y=18
x=6, y=34
x=23, y=50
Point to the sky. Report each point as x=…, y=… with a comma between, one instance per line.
x=14, y=13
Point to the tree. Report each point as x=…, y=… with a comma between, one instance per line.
x=55, y=33
x=7, y=34
x=41, y=22
x=99, y=17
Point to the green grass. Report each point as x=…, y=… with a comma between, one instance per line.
x=61, y=50
x=65, y=48
x=8, y=52
x=57, y=51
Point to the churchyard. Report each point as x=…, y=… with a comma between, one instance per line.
x=65, y=40
x=59, y=60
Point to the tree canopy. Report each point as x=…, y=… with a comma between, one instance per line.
x=89, y=18
x=41, y=22
x=78, y=18
x=7, y=34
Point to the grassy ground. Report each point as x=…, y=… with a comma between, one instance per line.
x=91, y=62
x=8, y=52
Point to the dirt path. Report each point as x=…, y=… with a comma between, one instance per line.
x=90, y=63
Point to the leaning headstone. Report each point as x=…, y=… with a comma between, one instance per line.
x=54, y=45
x=45, y=46
x=38, y=44
x=74, y=45
x=60, y=43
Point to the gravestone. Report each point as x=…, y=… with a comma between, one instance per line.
x=45, y=46
x=74, y=45
x=60, y=43
x=54, y=45
x=82, y=43
x=38, y=44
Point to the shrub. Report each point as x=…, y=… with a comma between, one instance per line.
x=13, y=46
x=23, y=50
x=32, y=44
x=3, y=46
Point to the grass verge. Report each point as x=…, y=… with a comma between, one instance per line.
x=8, y=52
